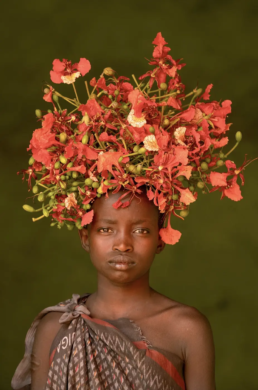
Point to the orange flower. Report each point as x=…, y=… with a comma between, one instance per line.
x=150, y=143
x=70, y=201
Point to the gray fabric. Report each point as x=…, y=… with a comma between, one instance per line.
x=71, y=310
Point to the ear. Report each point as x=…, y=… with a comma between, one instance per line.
x=161, y=245
x=84, y=236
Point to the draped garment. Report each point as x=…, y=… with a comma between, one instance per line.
x=94, y=354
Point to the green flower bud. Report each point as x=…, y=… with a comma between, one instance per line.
x=63, y=137
x=204, y=166
x=51, y=202
x=63, y=159
x=238, y=136
x=163, y=86
x=208, y=160
x=136, y=148
x=57, y=165
x=99, y=195
x=166, y=122
x=75, y=174
x=28, y=208
x=38, y=113
x=86, y=207
x=35, y=189
x=95, y=184
x=73, y=189
x=93, y=96
x=110, y=96
x=220, y=163
x=139, y=168
x=45, y=213
x=70, y=165
x=191, y=188
x=125, y=106
x=120, y=159
x=49, y=111
x=31, y=160
x=109, y=71
x=100, y=190
x=200, y=184
x=116, y=92
x=198, y=92
x=85, y=139
x=151, y=129
x=69, y=227
x=221, y=155
x=184, y=213
x=55, y=98
x=175, y=196
x=195, y=174
x=41, y=197
x=53, y=224
x=63, y=185
x=132, y=168
x=88, y=182
x=142, y=151
x=76, y=183
x=78, y=224
x=180, y=178
x=106, y=182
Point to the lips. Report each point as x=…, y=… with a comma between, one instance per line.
x=121, y=262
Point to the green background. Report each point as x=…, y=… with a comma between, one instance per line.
x=214, y=267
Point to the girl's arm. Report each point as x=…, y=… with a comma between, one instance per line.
x=46, y=332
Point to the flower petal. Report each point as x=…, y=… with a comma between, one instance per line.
x=84, y=66
x=87, y=218
x=169, y=235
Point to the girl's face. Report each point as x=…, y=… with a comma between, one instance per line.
x=122, y=243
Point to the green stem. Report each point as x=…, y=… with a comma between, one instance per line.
x=97, y=138
x=159, y=97
x=133, y=76
x=36, y=219
x=231, y=150
x=71, y=101
x=76, y=93
x=87, y=88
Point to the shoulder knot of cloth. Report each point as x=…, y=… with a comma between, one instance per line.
x=73, y=310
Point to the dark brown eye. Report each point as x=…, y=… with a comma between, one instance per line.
x=104, y=230
x=142, y=231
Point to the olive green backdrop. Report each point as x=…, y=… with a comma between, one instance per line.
x=215, y=265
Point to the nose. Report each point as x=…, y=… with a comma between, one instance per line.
x=123, y=243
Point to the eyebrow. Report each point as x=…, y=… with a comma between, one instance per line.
x=113, y=221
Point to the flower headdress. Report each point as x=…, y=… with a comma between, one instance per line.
x=127, y=136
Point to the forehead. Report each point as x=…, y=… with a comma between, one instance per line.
x=140, y=208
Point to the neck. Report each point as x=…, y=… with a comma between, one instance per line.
x=120, y=300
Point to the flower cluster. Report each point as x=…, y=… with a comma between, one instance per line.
x=128, y=136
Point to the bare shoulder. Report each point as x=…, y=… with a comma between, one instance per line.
x=183, y=316
x=48, y=328
x=185, y=326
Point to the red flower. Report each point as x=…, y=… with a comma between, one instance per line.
x=169, y=235
x=48, y=96
x=65, y=72
x=91, y=107
x=42, y=139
